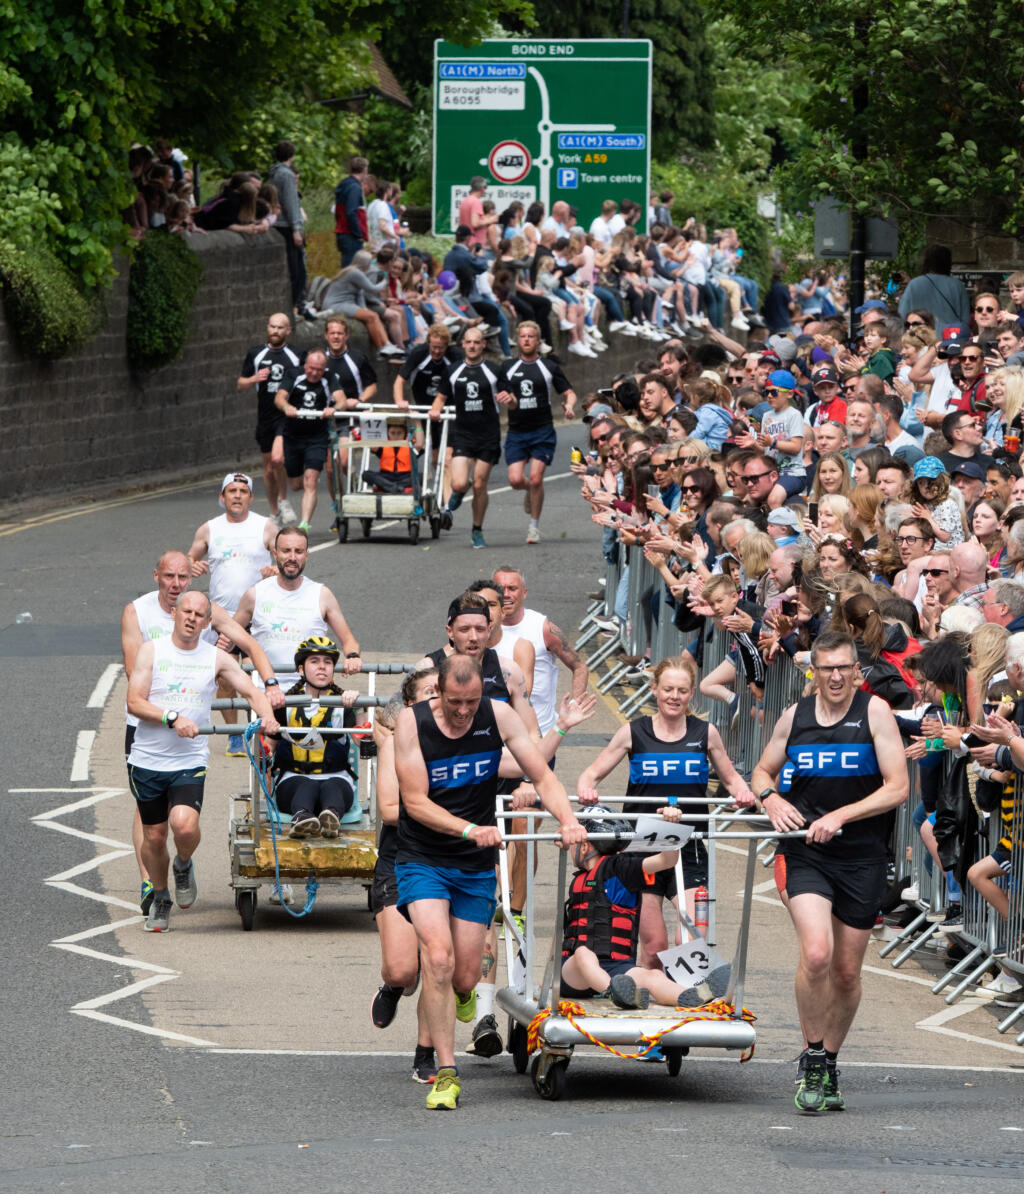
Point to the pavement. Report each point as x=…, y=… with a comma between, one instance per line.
x=241, y=1060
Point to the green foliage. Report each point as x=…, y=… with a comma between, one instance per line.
x=47, y=315
x=399, y=143
x=682, y=109
x=162, y=288
x=943, y=117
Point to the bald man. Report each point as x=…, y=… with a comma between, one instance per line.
x=308, y=406
x=968, y=573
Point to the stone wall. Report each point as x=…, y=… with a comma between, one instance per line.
x=89, y=421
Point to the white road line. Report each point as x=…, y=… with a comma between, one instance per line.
x=123, y=992
x=383, y=526
x=97, y=930
x=104, y=684
x=71, y=831
x=146, y=1029
x=98, y=896
x=128, y=963
x=29, y=791
x=83, y=749
x=89, y=865
x=88, y=802
x=937, y=1022
x=898, y=974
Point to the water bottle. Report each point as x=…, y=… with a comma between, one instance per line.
x=700, y=909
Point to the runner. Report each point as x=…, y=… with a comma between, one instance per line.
x=289, y=607
x=349, y=373
x=308, y=406
x=839, y=758
x=170, y=693
x=475, y=436
x=668, y=757
x=426, y=369
x=264, y=369
x=527, y=385
x=447, y=755
x=235, y=550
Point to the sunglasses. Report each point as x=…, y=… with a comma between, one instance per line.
x=986, y=310
x=689, y=489
x=750, y=478
x=660, y=468
x=915, y=323
x=602, y=438
x=934, y=571
x=973, y=356
x=688, y=460
x=736, y=378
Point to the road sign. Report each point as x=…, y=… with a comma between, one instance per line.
x=542, y=120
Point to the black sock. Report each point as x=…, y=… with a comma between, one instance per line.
x=424, y=1052
x=815, y=1053
x=477, y=528
x=830, y=1058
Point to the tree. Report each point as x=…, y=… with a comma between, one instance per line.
x=944, y=114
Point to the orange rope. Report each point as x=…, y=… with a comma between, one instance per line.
x=717, y=1010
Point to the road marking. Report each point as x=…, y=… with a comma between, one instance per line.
x=383, y=526
x=41, y=520
x=107, y=680
x=937, y=1022
x=71, y=831
x=97, y=931
x=99, y=794
x=898, y=974
x=83, y=749
x=128, y=963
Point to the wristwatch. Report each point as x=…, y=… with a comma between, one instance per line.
x=273, y=682
x=763, y=796
x=170, y=717
x=353, y=655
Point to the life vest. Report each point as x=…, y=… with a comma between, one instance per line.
x=602, y=914
x=396, y=458
x=326, y=754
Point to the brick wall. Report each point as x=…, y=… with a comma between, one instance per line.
x=89, y=421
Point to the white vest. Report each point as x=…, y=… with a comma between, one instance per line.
x=237, y=556
x=282, y=618
x=154, y=624
x=182, y=680
x=543, y=698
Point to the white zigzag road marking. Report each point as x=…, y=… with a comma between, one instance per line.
x=159, y=974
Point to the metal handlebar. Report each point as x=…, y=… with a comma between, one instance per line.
x=296, y=702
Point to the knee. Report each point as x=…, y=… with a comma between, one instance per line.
x=154, y=836
x=845, y=979
x=816, y=958
x=536, y=482
x=399, y=972
x=438, y=962
x=479, y=484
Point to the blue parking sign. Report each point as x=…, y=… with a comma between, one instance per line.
x=568, y=179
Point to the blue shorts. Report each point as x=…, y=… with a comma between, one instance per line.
x=157, y=792
x=610, y=968
x=539, y=444
x=470, y=894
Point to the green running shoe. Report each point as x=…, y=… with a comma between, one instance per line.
x=834, y=1101
x=146, y=902
x=810, y=1094
x=444, y=1094
x=465, y=1007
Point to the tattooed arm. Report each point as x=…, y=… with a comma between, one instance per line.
x=559, y=646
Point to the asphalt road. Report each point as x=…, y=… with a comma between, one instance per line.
x=128, y=1102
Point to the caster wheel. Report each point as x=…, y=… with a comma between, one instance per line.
x=414, y=531
x=517, y=1047
x=367, y=526
x=342, y=530
x=552, y=1086
x=246, y=901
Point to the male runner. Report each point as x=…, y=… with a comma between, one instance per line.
x=263, y=370
x=475, y=436
x=447, y=754
x=838, y=757
x=425, y=369
x=170, y=693
x=527, y=385
x=151, y=617
x=349, y=372
x=289, y=607
x=308, y=406
x=235, y=550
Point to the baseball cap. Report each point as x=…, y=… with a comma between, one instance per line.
x=230, y=478
x=770, y=356
x=870, y=305
x=929, y=466
x=596, y=411
x=784, y=517
x=783, y=347
x=781, y=379
x=824, y=373
x=952, y=347
x=970, y=468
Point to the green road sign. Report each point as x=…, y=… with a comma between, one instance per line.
x=542, y=120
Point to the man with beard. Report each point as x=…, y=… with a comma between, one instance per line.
x=264, y=369
x=284, y=610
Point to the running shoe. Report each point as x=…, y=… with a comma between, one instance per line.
x=424, y=1067
x=714, y=986
x=287, y=513
x=1003, y=985
x=834, y=1100
x=159, y=918
x=801, y=1067
x=912, y=893
x=478, y=540
x=444, y=1094
x=465, y=1006
x=520, y=920
x=305, y=825
x=286, y=895
x=330, y=825
x=533, y=534
x=627, y=995
x=384, y=1005
x=810, y=1095
x=186, y=890
x=954, y=919
x=486, y=1038
x=146, y=902
x=305, y=526
x=446, y=519
x=236, y=746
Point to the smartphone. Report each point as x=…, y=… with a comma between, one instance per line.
x=789, y=609
x=812, y=512
x=653, y=491
x=972, y=740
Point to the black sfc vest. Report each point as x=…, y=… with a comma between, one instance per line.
x=602, y=914
x=669, y=770
x=494, y=679
x=829, y=767
x=462, y=777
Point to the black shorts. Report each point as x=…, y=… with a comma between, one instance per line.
x=695, y=872
x=266, y=433
x=301, y=454
x=297, y=793
x=129, y=738
x=610, y=968
x=855, y=887
x=384, y=890
x=157, y=792
x=487, y=450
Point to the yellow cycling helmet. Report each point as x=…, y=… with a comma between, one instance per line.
x=317, y=644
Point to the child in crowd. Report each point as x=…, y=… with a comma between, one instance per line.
x=928, y=494
x=882, y=361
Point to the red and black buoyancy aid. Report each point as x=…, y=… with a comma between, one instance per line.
x=602, y=914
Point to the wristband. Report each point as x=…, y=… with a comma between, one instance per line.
x=762, y=796
x=353, y=655
x=469, y=829
x=273, y=682
x=562, y=733
x=163, y=720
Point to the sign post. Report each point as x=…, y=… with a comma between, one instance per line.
x=542, y=120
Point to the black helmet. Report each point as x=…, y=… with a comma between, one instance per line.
x=317, y=644
x=599, y=819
